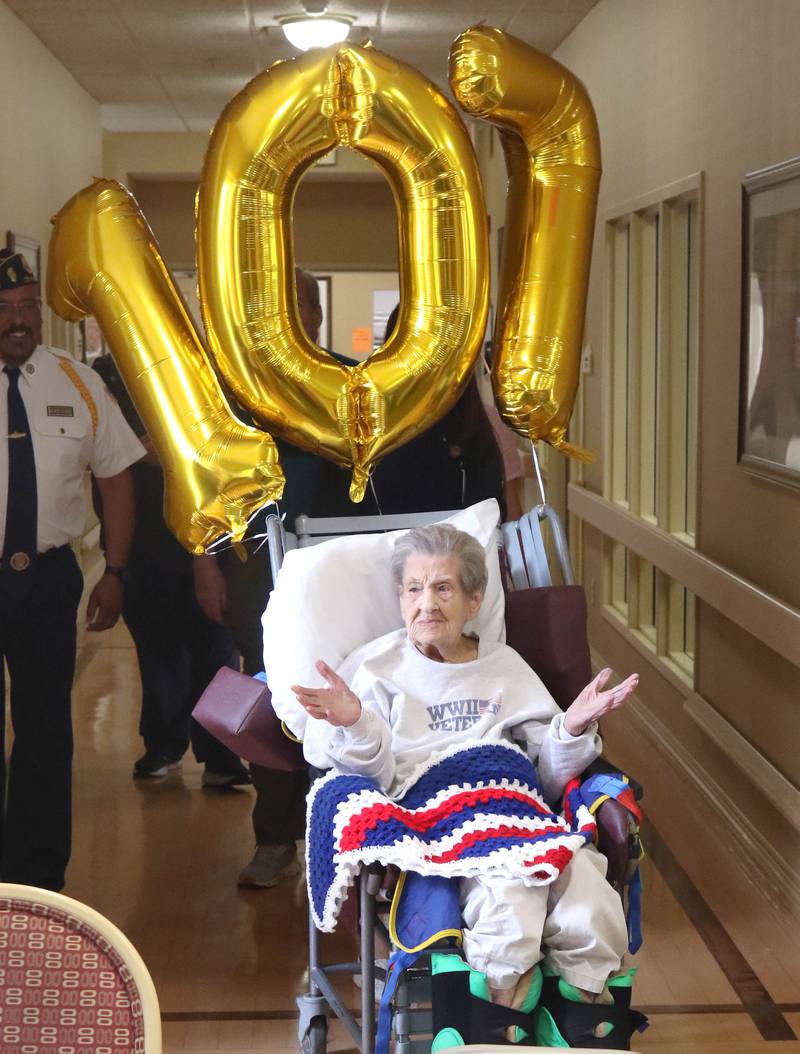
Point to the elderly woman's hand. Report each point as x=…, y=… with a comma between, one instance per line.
x=593, y=702
x=335, y=704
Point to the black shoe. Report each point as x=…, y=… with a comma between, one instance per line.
x=154, y=765
x=237, y=776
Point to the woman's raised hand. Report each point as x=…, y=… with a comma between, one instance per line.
x=335, y=704
x=593, y=702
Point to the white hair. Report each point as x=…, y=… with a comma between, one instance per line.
x=442, y=539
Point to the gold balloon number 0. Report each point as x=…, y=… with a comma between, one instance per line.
x=105, y=261
x=267, y=137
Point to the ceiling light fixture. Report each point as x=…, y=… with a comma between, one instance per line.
x=315, y=31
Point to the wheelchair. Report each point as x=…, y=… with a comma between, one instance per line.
x=559, y=653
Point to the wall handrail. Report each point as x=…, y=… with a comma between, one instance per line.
x=765, y=617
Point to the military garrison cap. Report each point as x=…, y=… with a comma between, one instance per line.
x=14, y=270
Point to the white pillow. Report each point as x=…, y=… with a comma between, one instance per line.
x=333, y=597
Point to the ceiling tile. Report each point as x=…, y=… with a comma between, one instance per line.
x=194, y=54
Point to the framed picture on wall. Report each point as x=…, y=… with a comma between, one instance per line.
x=769, y=409
x=30, y=249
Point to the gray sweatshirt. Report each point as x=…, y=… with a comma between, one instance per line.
x=413, y=707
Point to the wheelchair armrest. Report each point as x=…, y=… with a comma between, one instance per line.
x=600, y=765
x=612, y=839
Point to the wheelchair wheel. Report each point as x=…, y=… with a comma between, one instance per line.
x=315, y=1041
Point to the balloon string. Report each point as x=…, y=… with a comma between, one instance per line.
x=538, y=472
x=223, y=543
x=375, y=496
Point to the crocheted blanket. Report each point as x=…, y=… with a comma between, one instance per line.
x=474, y=809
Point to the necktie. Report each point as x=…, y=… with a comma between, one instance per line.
x=19, y=548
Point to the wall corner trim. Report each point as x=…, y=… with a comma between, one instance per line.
x=780, y=791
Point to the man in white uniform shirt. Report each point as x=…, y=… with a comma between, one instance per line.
x=57, y=419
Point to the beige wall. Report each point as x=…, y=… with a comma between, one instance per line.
x=346, y=226
x=179, y=155
x=338, y=225
x=50, y=130
x=693, y=95
x=153, y=155
x=168, y=205
x=682, y=87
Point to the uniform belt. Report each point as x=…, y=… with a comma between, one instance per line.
x=58, y=550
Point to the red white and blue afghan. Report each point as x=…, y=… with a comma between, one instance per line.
x=475, y=809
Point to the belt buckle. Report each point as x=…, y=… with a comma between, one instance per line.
x=20, y=562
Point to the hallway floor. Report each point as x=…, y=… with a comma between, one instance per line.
x=161, y=857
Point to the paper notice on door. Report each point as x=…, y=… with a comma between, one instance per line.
x=361, y=343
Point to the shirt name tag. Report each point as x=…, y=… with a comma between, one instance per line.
x=60, y=411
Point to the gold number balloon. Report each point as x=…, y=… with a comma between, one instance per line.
x=104, y=261
x=267, y=137
x=552, y=151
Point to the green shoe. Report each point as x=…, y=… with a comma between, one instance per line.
x=565, y=1019
x=442, y=963
x=526, y=997
x=445, y=1038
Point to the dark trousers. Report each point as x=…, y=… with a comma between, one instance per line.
x=179, y=650
x=38, y=643
x=279, y=814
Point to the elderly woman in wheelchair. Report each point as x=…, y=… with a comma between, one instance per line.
x=430, y=688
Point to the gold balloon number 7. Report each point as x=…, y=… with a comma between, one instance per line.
x=551, y=143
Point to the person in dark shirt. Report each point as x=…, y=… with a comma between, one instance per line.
x=179, y=649
x=452, y=465
x=235, y=592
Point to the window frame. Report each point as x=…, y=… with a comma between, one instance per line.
x=663, y=277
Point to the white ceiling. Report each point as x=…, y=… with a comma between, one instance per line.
x=171, y=65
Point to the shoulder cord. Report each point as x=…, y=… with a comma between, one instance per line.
x=83, y=391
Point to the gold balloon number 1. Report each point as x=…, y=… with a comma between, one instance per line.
x=105, y=261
